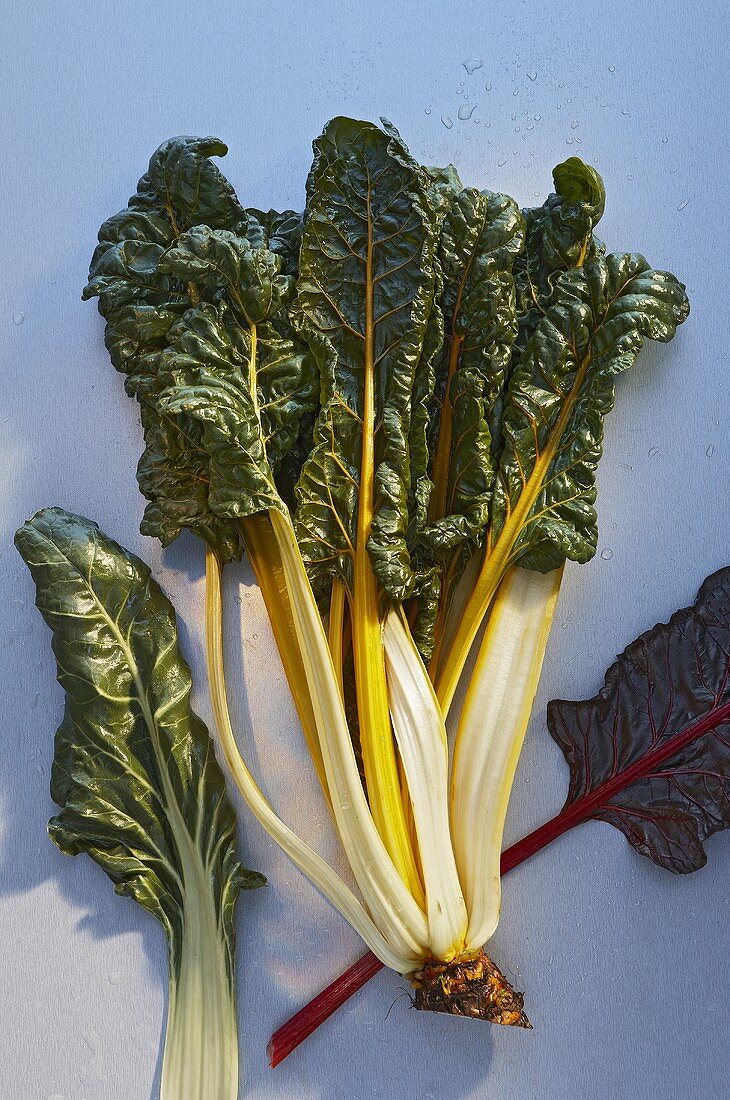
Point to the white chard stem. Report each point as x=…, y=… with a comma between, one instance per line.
x=490, y=735
x=200, y=1060
x=421, y=736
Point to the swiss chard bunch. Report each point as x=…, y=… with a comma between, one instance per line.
x=394, y=403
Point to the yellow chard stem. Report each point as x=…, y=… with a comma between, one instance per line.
x=335, y=630
x=265, y=560
x=376, y=736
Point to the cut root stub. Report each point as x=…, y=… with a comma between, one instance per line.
x=472, y=987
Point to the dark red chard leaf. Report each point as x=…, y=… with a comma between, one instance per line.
x=650, y=753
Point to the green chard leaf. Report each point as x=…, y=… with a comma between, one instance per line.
x=206, y=372
x=559, y=236
x=184, y=273
x=365, y=293
x=134, y=770
x=482, y=236
x=280, y=232
x=542, y=509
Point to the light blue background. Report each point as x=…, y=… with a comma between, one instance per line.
x=624, y=966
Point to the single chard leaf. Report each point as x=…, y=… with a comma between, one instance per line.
x=173, y=474
x=558, y=237
x=482, y=235
x=181, y=188
x=365, y=290
x=650, y=753
x=270, y=356
x=216, y=259
x=209, y=372
x=280, y=232
x=542, y=509
x=136, y=778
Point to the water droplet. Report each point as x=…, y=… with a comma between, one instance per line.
x=561, y=85
x=630, y=179
x=569, y=101
x=18, y=318
x=607, y=554
x=517, y=129
x=710, y=450
x=673, y=170
x=514, y=115
x=448, y=122
x=532, y=76
x=653, y=452
x=626, y=112
x=466, y=111
x=574, y=124
x=612, y=68
x=529, y=126
x=516, y=91
x=472, y=64
x=502, y=161
x=536, y=194
x=579, y=141
x=427, y=110
x=665, y=139
x=568, y=141
x=683, y=204
x=487, y=87
x=537, y=117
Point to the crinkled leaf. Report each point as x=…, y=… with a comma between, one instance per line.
x=481, y=236
x=369, y=241
x=134, y=770
x=543, y=502
x=652, y=748
x=280, y=232
x=173, y=474
x=221, y=260
x=559, y=236
x=183, y=240
x=207, y=377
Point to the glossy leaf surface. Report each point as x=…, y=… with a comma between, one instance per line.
x=134, y=770
x=365, y=291
x=184, y=243
x=563, y=386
